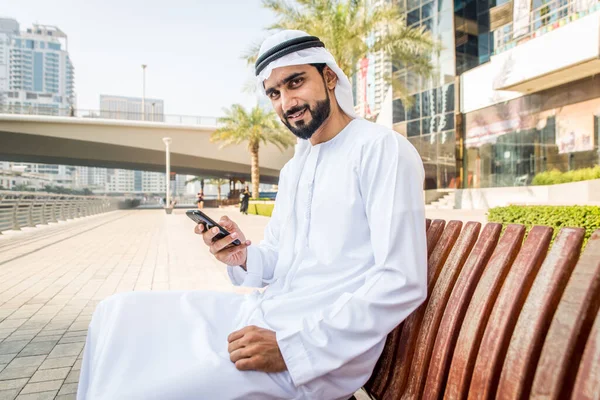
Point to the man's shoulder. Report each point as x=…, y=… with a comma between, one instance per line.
x=370, y=134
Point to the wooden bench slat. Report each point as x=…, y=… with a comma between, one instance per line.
x=570, y=327
x=427, y=224
x=477, y=314
x=505, y=313
x=587, y=385
x=455, y=311
x=436, y=306
x=534, y=320
x=410, y=327
x=434, y=233
x=383, y=370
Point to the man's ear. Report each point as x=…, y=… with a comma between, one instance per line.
x=330, y=78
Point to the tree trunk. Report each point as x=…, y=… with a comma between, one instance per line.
x=255, y=171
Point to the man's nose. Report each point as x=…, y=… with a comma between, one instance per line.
x=288, y=102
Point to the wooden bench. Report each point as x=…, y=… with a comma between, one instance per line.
x=506, y=318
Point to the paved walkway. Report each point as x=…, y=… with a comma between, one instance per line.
x=52, y=277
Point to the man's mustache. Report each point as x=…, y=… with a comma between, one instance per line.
x=295, y=110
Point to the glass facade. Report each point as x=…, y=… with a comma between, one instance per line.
x=427, y=116
x=508, y=143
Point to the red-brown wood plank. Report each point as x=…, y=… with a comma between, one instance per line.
x=530, y=331
x=476, y=317
x=587, y=385
x=434, y=233
x=570, y=327
x=410, y=327
x=435, y=309
x=427, y=224
x=456, y=309
x=383, y=370
x=506, y=311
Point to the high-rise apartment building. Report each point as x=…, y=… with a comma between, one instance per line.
x=36, y=73
x=130, y=108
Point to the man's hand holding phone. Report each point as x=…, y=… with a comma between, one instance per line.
x=223, y=249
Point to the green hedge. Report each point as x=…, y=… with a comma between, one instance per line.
x=557, y=217
x=261, y=209
x=554, y=176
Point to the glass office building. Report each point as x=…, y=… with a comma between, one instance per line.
x=514, y=93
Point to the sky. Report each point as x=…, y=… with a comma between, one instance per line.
x=192, y=48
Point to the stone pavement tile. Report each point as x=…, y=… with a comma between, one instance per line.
x=33, y=361
x=68, y=388
x=79, y=326
x=12, y=347
x=9, y=394
x=31, y=324
x=15, y=373
x=58, y=362
x=38, y=387
x=13, y=384
x=16, y=338
x=73, y=376
x=51, y=332
x=4, y=333
x=50, y=374
x=63, y=350
x=38, y=396
x=75, y=333
x=12, y=323
x=2, y=366
x=46, y=338
x=38, y=348
x=77, y=365
x=73, y=339
x=71, y=396
x=6, y=358
x=26, y=331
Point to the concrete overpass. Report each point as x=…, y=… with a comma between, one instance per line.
x=130, y=145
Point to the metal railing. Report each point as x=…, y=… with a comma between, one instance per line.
x=545, y=16
x=27, y=209
x=40, y=109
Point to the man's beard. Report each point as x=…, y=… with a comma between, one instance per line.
x=319, y=115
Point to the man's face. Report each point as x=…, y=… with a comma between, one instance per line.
x=300, y=98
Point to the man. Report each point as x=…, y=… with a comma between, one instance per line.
x=344, y=259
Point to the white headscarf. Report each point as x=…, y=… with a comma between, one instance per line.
x=313, y=55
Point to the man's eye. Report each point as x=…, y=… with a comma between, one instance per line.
x=273, y=95
x=296, y=82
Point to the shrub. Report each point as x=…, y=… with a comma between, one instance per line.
x=557, y=217
x=261, y=209
x=554, y=176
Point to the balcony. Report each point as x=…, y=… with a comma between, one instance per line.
x=564, y=55
x=558, y=57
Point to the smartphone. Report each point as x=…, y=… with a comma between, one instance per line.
x=200, y=218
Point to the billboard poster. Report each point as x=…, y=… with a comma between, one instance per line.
x=575, y=126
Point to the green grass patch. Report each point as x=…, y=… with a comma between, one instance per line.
x=554, y=176
x=557, y=217
x=261, y=209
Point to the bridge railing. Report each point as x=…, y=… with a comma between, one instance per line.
x=28, y=209
x=108, y=114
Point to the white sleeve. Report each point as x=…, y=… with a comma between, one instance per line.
x=391, y=183
x=262, y=258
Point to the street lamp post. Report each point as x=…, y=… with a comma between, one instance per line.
x=144, y=92
x=167, y=141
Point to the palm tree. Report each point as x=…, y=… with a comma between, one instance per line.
x=218, y=182
x=255, y=127
x=348, y=30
